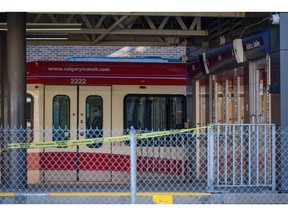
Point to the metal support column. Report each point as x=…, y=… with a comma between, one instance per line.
x=3, y=62
x=191, y=147
x=283, y=54
x=16, y=79
x=4, y=108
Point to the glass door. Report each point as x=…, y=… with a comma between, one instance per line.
x=94, y=122
x=60, y=108
x=228, y=97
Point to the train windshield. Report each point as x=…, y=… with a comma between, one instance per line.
x=154, y=112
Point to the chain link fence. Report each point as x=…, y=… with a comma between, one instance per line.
x=215, y=164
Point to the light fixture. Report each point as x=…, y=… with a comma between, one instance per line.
x=34, y=27
x=46, y=37
x=53, y=27
x=222, y=40
x=275, y=19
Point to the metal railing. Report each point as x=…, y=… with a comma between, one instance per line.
x=242, y=156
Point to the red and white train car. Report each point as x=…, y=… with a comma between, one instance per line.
x=100, y=99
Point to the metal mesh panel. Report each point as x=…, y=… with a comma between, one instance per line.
x=242, y=158
x=221, y=164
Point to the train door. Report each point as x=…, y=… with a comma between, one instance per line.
x=68, y=108
x=60, y=116
x=95, y=117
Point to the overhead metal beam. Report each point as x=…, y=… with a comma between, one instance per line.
x=164, y=21
x=105, y=27
x=100, y=21
x=48, y=26
x=196, y=23
x=181, y=23
x=86, y=21
x=183, y=14
x=105, y=32
x=150, y=23
x=139, y=42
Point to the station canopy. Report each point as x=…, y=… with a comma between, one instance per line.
x=199, y=29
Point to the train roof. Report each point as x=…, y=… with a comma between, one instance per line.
x=152, y=59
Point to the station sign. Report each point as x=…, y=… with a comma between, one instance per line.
x=218, y=59
x=256, y=45
x=194, y=69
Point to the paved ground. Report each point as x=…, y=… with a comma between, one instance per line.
x=150, y=199
x=177, y=193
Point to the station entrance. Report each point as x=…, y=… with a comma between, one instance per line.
x=235, y=96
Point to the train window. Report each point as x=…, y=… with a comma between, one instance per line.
x=94, y=119
x=29, y=111
x=154, y=112
x=61, y=117
x=29, y=117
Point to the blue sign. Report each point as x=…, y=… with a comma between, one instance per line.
x=219, y=59
x=256, y=45
x=194, y=70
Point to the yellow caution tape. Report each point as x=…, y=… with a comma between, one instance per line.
x=66, y=143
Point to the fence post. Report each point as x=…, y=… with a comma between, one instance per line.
x=210, y=178
x=133, y=165
x=273, y=158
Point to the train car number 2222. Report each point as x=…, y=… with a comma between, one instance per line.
x=77, y=81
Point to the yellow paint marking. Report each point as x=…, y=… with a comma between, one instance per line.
x=7, y=194
x=104, y=194
x=163, y=199
x=89, y=194
x=173, y=194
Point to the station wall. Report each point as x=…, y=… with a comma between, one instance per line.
x=60, y=53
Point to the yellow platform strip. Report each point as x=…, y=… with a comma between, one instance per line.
x=7, y=194
x=109, y=194
x=173, y=194
x=89, y=194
